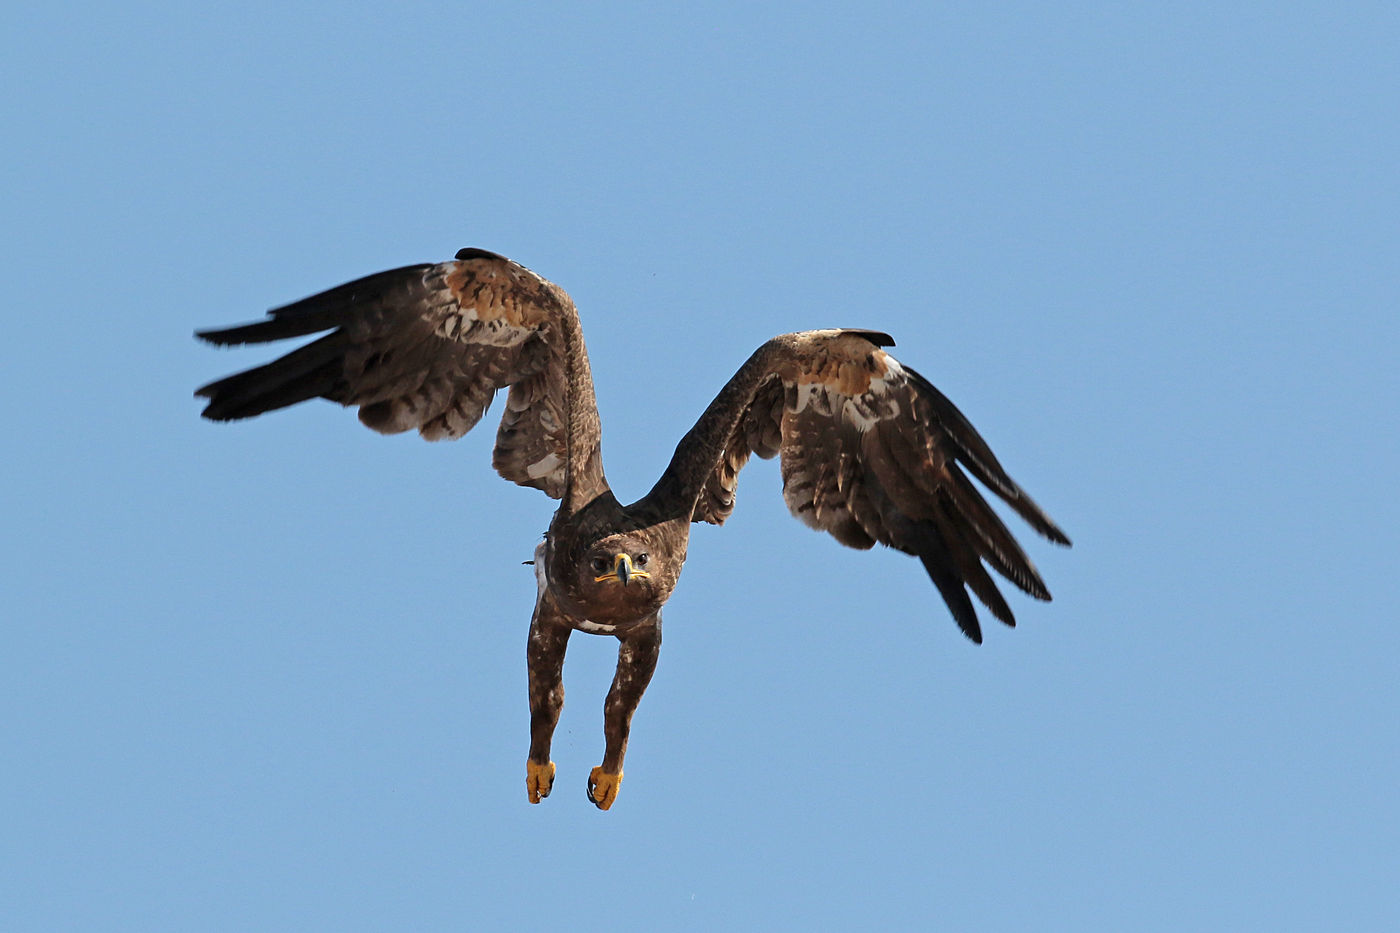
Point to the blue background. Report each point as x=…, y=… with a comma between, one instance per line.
x=270, y=676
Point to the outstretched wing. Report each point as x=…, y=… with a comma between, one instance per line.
x=871, y=452
x=426, y=347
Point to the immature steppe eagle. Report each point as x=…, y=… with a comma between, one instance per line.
x=870, y=452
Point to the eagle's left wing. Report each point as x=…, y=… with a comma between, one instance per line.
x=426, y=348
x=871, y=451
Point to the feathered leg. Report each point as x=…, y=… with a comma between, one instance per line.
x=549, y=639
x=636, y=662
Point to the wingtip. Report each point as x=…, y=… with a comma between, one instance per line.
x=257, y=332
x=1001, y=612
x=220, y=415
x=211, y=411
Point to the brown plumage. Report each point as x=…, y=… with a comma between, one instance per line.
x=870, y=452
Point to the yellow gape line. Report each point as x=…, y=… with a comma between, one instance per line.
x=539, y=780
x=622, y=571
x=602, y=787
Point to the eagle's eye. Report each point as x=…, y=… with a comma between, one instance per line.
x=642, y=559
x=599, y=564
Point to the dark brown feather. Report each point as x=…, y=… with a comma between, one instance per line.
x=934, y=553
x=978, y=457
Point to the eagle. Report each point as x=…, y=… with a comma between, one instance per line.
x=870, y=452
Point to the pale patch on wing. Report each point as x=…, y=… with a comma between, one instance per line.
x=863, y=409
x=811, y=394
x=864, y=420
x=892, y=367
x=466, y=326
x=544, y=467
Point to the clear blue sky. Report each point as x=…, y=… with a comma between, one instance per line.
x=270, y=676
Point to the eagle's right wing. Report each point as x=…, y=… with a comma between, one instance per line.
x=871, y=452
x=426, y=347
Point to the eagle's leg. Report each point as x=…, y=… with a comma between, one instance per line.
x=636, y=662
x=549, y=639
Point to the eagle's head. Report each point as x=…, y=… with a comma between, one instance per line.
x=622, y=577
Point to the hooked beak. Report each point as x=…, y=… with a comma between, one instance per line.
x=623, y=572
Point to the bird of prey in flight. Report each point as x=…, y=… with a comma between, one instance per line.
x=870, y=452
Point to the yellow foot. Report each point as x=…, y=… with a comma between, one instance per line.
x=602, y=787
x=539, y=780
